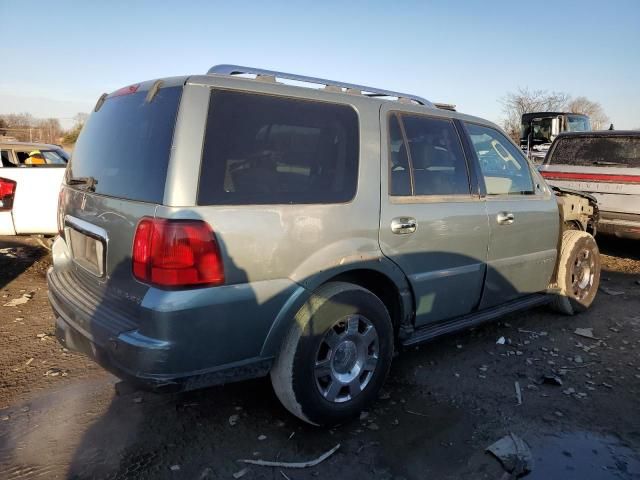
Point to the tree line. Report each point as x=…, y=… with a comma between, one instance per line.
x=24, y=127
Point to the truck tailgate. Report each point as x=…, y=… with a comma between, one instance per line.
x=36, y=198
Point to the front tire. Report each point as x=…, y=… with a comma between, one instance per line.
x=336, y=355
x=578, y=273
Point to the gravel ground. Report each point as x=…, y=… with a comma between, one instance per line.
x=443, y=404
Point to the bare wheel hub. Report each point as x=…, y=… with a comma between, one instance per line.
x=346, y=358
x=583, y=274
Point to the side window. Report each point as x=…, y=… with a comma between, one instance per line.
x=22, y=157
x=505, y=170
x=399, y=171
x=5, y=156
x=263, y=149
x=436, y=160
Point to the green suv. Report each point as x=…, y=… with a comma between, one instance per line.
x=227, y=226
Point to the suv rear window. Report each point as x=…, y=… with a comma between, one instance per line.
x=262, y=149
x=614, y=151
x=125, y=145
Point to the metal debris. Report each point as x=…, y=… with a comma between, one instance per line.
x=241, y=473
x=411, y=412
x=518, y=393
x=20, y=300
x=513, y=453
x=586, y=333
x=284, y=475
x=233, y=420
x=310, y=463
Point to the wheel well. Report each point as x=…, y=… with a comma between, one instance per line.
x=381, y=286
x=573, y=225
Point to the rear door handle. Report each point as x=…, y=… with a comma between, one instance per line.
x=403, y=225
x=505, y=218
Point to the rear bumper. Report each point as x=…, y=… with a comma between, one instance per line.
x=72, y=339
x=133, y=350
x=181, y=340
x=622, y=225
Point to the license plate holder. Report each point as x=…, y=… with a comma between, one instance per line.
x=87, y=244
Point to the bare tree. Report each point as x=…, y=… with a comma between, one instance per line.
x=515, y=104
x=80, y=118
x=51, y=130
x=71, y=136
x=599, y=119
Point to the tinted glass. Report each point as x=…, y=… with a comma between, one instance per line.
x=6, y=162
x=22, y=157
x=262, y=149
x=437, y=160
x=125, y=145
x=597, y=151
x=505, y=170
x=53, y=157
x=400, y=176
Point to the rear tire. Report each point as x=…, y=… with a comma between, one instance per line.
x=336, y=355
x=578, y=273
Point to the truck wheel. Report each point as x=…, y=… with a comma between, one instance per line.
x=578, y=273
x=336, y=355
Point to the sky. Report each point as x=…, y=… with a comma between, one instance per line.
x=469, y=53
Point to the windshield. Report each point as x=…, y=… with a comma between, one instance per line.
x=578, y=123
x=125, y=145
x=54, y=157
x=597, y=151
x=541, y=130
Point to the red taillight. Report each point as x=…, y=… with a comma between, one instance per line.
x=590, y=177
x=7, y=193
x=176, y=253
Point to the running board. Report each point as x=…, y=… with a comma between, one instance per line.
x=429, y=332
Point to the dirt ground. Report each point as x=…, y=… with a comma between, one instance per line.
x=443, y=403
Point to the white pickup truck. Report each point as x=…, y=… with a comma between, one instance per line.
x=30, y=178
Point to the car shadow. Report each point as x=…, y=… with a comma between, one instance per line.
x=181, y=435
x=619, y=247
x=16, y=256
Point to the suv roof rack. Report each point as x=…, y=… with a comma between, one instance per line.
x=445, y=106
x=329, y=84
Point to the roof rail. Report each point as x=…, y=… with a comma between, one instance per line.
x=367, y=91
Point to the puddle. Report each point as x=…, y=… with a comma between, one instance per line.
x=583, y=455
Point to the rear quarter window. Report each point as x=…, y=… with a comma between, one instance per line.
x=262, y=149
x=586, y=151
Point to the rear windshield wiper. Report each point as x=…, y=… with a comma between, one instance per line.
x=89, y=183
x=616, y=164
